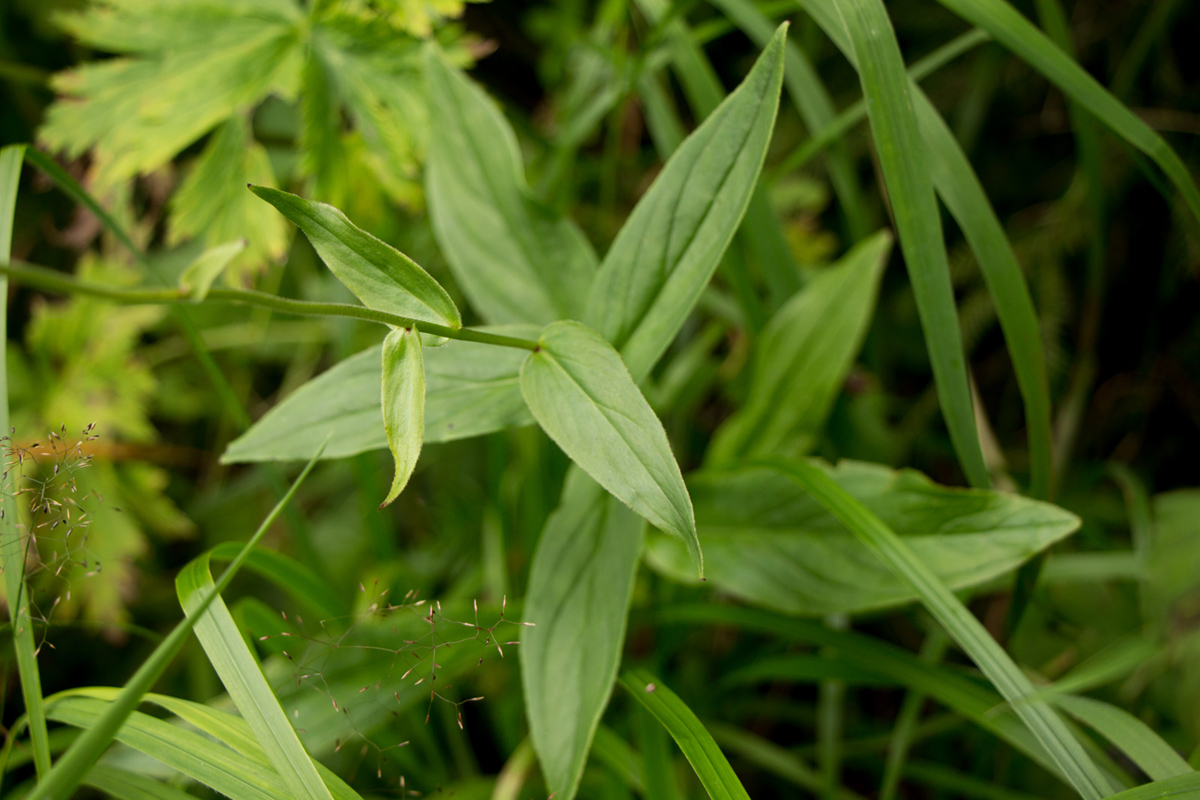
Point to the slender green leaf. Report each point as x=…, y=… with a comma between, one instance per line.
x=1128, y=733
x=12, y=545
x=966, y=630
x=770, y=543
x=906, y=175
x=1184, y=787
x=87, y=749
x=616, y=754
x=470, y=389
x=802, y=358
x=580, y=584
x=243, y=679
x=403, y=404
x=1019, y=35
x=290, y=575
x=669, y=247
x=379, y=274
x=580, y=392
x=198, y=278
x=514, y=259
x=713, y=770
x=127, y=785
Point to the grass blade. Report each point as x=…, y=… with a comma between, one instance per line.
x=918, y=223
x=713, y=770
x=61, y=781
x=1020, y=36
x=1133, y=737
x=966, y=630
x=1185, y=787
x=12, y=546
x=127, y=785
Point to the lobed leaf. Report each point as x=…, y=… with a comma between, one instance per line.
x=582, y=395
x=403, y=389
x=580, y=586
x=380, y=275
x=515, y=260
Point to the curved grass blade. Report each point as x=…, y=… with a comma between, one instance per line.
x=87, y=749
x=583, y=396
x=403, y=391
x=379, y=275
x=515, y=260
x=1133, y=737
x=12, y=545
x=290, y=575
x=671, y=244
x=918, y=222
x=966, y=630
x=126, y=785
x=1023, y=38
x=1184, y=787
x=580, y=586
x=243, y=679
x=710, y=764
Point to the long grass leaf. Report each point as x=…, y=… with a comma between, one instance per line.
x=1184, y=787
x=710, y=764
x=60, y=783
x=126, y=785
x=12, y=544
x=914, y=209
x=1020, y=36
x=967, y=631
x=1133, y=737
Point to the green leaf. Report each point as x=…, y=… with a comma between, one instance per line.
x=213, y=204
x=1063, y=748
x=769, y=543
x=1128, y=733
x=580, y=585
x=193, y=66
x=243, y=679
x=1184, y=787
x=127, y=785
x=580, y=392
x=380, y=275
x=12, y=544
x=918, y=223
x=802, y=357
x=514, y=259
x=710, y=764
x=470, y=389
x=198, y=278
x=305, y=587
x=403, y=404
x=669, y=247
x=1018, y=34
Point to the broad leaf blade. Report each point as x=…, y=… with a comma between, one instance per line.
x=802, y=358
x=710, y=764
x=403, y=404
x=244, y=680
x=470, y=389
x=669, y=247
x=580, y=584
x=515, y=260
x=762, y=536
x=379, y=274
x=583, y=396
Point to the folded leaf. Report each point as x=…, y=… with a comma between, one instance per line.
x=379, y=274
x=802, y=357
x=403, y=403
x=583, y=396
x=514, y=259
x=669, y=247
x=580, y=584
x=769, y=543
x=470, y=389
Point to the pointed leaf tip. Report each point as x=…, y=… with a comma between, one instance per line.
x=403, y=393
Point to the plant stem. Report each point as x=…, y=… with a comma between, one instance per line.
x=49, y=280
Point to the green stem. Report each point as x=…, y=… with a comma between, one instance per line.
x=49, y=280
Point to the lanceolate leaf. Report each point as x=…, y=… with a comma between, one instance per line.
x=515, y=260
x=769, y=543
x=379, y=274
x=580, y=584
x=710, y=764
x=802, y=358
x=470, y=389
x=669, y=247
x=403, y=403
x=910, y=192
x=583, y=396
